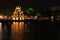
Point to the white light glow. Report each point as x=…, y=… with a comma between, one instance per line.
x=17, y=18
x=0, y=27
x=1, y=17
x=13, y=18
x=20, y=18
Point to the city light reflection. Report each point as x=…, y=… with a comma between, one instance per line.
x=52, y=18
x=17, y=30
x=0, y=27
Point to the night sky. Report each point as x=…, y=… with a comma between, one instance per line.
x=37, y=4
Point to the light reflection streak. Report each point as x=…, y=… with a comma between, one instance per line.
x=0, y=27
x=17, y=30
x=16, y=26
x=0, y=31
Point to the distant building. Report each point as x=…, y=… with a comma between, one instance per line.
x=55, y=8
x=18, y=14
x=55, y=12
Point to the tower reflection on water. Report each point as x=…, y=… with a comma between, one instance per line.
x=13, y=32
x=18, y=26
x=17, y=30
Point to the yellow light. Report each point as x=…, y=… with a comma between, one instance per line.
x=20, y=18
x=16, y=18
x=17, y=7
x=23, y=18
x=13, y=18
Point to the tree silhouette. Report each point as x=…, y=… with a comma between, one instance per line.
x=30, y=11
x=8, y=12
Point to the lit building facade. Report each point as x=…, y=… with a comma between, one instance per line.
x=18, y=14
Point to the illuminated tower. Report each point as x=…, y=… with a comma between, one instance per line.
x=18, y=14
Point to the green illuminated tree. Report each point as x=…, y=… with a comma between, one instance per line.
x=30, y=11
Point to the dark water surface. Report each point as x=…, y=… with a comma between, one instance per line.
x=40, y=30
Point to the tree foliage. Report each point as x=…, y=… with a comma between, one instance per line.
x=29, y=11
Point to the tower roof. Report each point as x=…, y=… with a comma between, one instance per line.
x=18, y=7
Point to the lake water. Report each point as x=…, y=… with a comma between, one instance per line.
x=29, y=30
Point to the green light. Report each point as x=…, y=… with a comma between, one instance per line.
x=31, y=9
